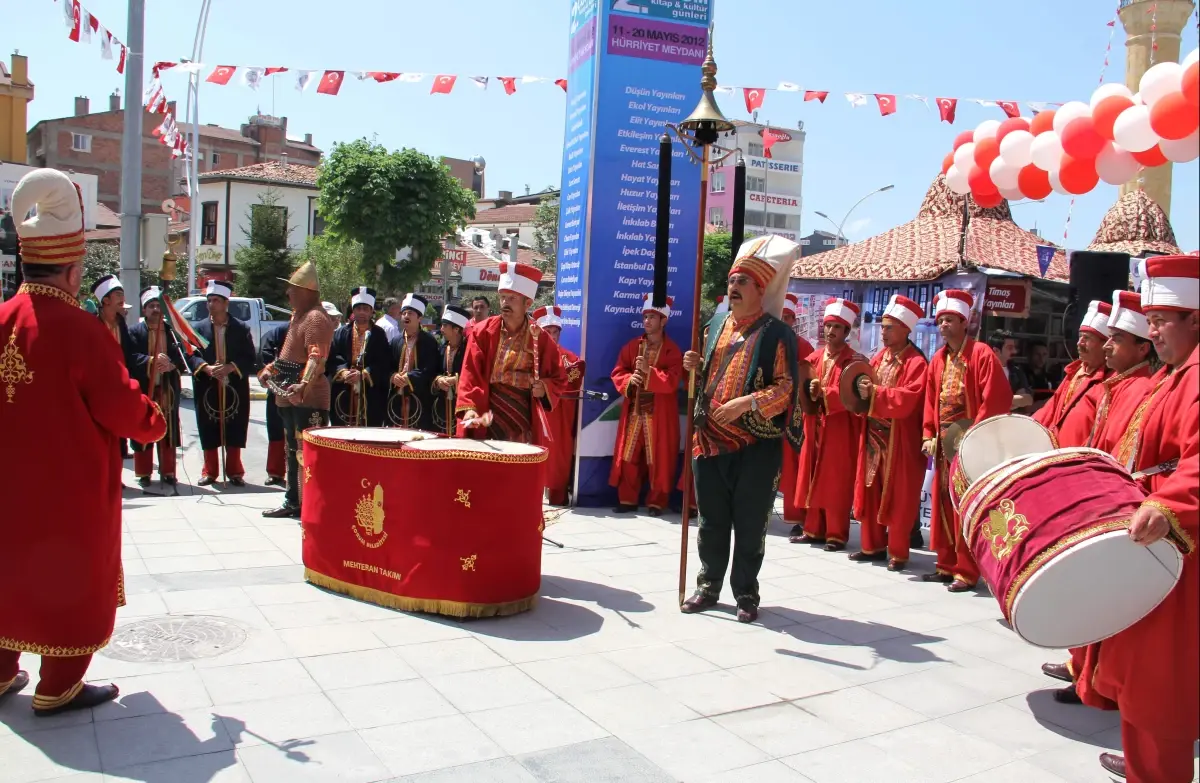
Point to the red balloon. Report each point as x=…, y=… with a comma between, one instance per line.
x=1191, y=84
x=947, y=162
x=1150, y=158
x=1033, y=182
x=1173, y=117
x=963, y=138
x=987, y=200
x=1042, y=122
x=1077, y=175
x=981, y=181
x=986, y=151
x=1104, y=116
x=1080, y=139
x=1010, y=125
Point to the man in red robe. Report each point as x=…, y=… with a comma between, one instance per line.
x=1151, y=670
x=965, y=385
x=512, y=373
x=829, y=456
x=791, y=458
x=1127, y=353
x=562, y=419
x=1066, y=415
x=891, y=467
x=63, y=380
x=647, y=375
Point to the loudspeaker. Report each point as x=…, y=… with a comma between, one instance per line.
x=1094, y=275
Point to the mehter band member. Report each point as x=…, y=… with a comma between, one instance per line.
x=416, y=359
x=360, y=361
x=110, y=295
x=562, y=419
x=1068, y=417
x=445, y=385
x=648, y=372
x=268, y=350
x=793, y=513
x=63, y=380
x=745, y=380
x=158, y=367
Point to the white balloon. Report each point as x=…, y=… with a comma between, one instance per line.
x=1017, y=148
x=1056, y=185
x=1191, y=58
x=1003, y=174
x=964, y=157
x=987, y=130
x=1046, y=151
x=1160, y=81
x=1011, y=194
x=1109, y=90
x=1132, y=129
x=1116, y=166
x=956, y=180
x=1182, y=150
x=1068, y=112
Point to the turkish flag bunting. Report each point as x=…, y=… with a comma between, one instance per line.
x=510, y=84
x=816, y=95
x=946, y=108
x=331, y=82
x=754, y=98
x=443, y=84
x=270, y=71
x=222, y=74
x=76, y=11
x=887, y=103
x=769, y=140
x=121, y=62
x=93, y=27
x=561, y=83
x=162, y=65
x=383, y=76
x=1010, y=108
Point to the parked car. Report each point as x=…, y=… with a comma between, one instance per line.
x=257, y=314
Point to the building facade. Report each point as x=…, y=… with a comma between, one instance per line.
x=16, y=91
x=261, y=139
x=820, y=241
x=773, y=185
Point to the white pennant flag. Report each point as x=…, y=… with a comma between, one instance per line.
x=302, y=79
x=982, y=102
x=85, y=26
x=105, y=44
x=252, y=77
x=920, y=98
x=480, y=81
x=856, y=98
x=412, y=77
x=190, y=67
x=725, y=90
x=532, y=79
x=69, y=14
x=1037, y=106
x=788, y=87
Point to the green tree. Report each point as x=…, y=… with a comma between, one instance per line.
x=718, y=258
x=339, y=268
x=388, y=201
x=545, y=232
x=104, y=258
x=266, y=258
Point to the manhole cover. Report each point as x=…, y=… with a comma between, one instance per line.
x=171, y=639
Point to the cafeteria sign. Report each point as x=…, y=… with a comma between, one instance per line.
x=1009, y=299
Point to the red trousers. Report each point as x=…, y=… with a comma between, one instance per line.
x=633, y=476
x=143, y=461
x=60, y=681
x=276, y=459
x=1150, y=759
x=233, y=463
x=895, y=538
x=792, y=513
x=954, y=557
x=820, y=524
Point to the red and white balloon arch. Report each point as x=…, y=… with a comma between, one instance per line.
x=1071, y=149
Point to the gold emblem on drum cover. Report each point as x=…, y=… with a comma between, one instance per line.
x=12, y=367
x=1006, y=528
x=468, y=563
x=307, y=474
x=463, y=496
x=368, y=519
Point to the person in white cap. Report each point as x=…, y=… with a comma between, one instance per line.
x=512, y=373
x=793, y=514
x=1068, y=417
x=221, y=387
x=65, y=399
x=157, y=363
x=360, y=361
x=562, y=422
x=746, y=382
x=1151, y=670
x=455, y=319
x=417, y=360
x=110, y=295
x=647, y=375
x=829, y=457
x=966, y=384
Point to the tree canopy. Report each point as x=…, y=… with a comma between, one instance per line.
x=545, y=232
x=266, y=258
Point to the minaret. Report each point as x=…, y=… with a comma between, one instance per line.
x=1168, y=18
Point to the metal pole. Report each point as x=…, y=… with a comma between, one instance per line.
x=196, y=232
x=131, y=156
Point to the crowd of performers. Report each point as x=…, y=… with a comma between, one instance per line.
x=770, y=414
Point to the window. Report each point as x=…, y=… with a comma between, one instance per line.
x=829, y=242
x=216, y=159
x=81, y=142
x=317, y=226
x=718, y=182
x=756, y=184
x=208, y=223
x=755, y=149
x=716, y=215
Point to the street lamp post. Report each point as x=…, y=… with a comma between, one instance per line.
x=839, y=226
x=192, y=162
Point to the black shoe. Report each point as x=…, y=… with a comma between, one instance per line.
x=275, y=481
x=1067, y=695
x=747, y=611
x=806, y=539
x=206, y=481
x=654, y=512
x=168, y=481
x=90, y=696
x=283, y=512
x=937, y=577
x=237, y=481
x=624, y=508
x=698, y=603
x=1057, y=671
x=17, y=685
x=143, y=482
x=834, y=546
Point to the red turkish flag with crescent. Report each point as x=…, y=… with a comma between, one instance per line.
x=221, y=74
x=887, y=103
x=383, y=76
x=331, y=82
x=754, y=98
x=1010, y=108
x=769, y=140
x=946, y=108
x=510, y=84
x=75, y=29
x=443, y=84
x=816, y=95
x=561, y=83
x=270, y=71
